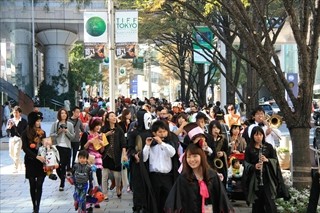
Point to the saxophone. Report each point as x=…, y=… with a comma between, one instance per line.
x=261, y=168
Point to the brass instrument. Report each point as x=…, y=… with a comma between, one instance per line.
x=261, y=168
x=218, y=163
x=275, y=121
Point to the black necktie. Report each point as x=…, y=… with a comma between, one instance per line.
x=261, y=124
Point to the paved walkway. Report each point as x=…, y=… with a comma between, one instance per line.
x=15, y=197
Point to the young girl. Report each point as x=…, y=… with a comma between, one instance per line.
x=94, y=142
x=198, y=188
x=259, y=166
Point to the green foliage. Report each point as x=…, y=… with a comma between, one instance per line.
x=82, y=69
x=46, y=93
x=282, y=149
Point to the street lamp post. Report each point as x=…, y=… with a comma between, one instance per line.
x=111, y=56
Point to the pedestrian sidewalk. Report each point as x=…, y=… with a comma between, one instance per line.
x=15, y=196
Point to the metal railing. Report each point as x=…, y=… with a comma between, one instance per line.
x=56, y=103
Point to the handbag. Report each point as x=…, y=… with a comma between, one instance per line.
x=96, y=142
x=54, y=136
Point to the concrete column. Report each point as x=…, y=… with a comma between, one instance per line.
x=22, y=60
x=56, y=45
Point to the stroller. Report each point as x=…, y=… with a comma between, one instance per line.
x=234, y=184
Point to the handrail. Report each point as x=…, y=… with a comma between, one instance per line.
x=56, y=103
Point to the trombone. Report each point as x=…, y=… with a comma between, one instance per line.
x=274, y=121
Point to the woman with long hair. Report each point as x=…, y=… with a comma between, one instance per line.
x=125, y=121
x=198, y=188
x=31, y=141
x=115, y=153
x=260, y=172
x=221, y=147
x=63, y=132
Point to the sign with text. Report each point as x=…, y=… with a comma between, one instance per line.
x=126, y=26
x=94, y=51
x=126, y=51
x=95, y=27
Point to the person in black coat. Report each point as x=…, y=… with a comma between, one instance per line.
x=31, y=141
x=115, y=153
x=260, y=173
x=198, y=188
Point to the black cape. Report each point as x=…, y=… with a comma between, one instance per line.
x=144, y=169
x=185, y=195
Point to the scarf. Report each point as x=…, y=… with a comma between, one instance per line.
x=204, y=193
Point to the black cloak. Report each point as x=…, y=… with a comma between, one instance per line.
x=185, y=195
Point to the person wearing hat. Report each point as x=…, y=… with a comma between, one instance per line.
x=31, y=141
x=195, y=134
x=15, y=126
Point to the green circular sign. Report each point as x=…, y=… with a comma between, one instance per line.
x=95, y=26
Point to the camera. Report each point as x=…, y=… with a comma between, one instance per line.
x=53, y=177
x=63, y=126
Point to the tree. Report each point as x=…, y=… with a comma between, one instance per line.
x=251, y=22
x=82, y=69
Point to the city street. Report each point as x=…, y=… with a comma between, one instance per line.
x=15, y=197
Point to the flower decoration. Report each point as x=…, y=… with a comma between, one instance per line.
x=37, y=139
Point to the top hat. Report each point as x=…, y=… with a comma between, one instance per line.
x=193, y=130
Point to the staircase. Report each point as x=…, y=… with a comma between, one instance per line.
x=49, y=115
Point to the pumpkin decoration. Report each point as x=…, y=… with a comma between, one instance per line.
x=37, y=139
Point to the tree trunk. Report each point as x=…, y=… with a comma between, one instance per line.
x=183, y=85
x=301, y=162
x=229, y=75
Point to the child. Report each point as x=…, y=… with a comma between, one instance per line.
x=236, y=169
x=82, y=176
x=51, y=155
x=235, y=172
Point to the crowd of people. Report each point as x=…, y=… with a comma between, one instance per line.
x=173, y=158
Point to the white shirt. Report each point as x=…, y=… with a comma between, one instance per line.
x=159, y=157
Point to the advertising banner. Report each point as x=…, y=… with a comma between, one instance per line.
x=95, y=27
x=95, y=51
x=126, y=51
x=126, y=26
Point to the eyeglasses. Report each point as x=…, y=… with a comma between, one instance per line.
x=230, y=109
